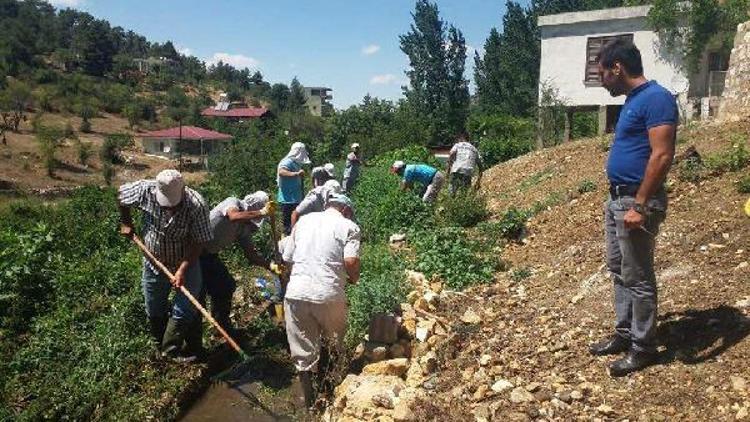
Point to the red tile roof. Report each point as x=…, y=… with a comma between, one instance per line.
x=249, y=112
x=188, y=132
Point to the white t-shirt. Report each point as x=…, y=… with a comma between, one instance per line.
x=317, y=247
x=466, y=159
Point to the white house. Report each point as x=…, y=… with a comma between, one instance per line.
x=571, y=42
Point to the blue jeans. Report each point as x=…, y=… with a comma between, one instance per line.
x=156, y=288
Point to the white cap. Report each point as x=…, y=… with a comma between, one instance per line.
x=397, y=165
x=332, y=186
x=255, y=202
x=355, y=145
x=328, y=167
x=169, y=188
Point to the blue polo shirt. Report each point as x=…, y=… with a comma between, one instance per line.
x=647, y=106
x=290, y=187
x=421, y=173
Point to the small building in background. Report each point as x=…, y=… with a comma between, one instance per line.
x=187, y=143
x=572, y=41
x=235, y=111
x=317, y=100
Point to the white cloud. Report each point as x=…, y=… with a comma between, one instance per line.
x=385, y=79
x=237, y=60
x=185, y=51
x=371, y=49
x=66, y=3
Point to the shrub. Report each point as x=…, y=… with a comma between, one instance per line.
x=690, y=170
x=743, y=185
x=465, y=209
x=113, y=146
x=380, y=289
x=49, y=139
x=513, y=223
x=520, y=274
x=586, y=186
x=84, y=150
x=108, y=172
x=585, y=124
x=448, y=253
x=735, y=158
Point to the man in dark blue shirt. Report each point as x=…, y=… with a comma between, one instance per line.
x=639, y=160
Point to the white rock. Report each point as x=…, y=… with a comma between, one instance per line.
x=485, y=360
x=471, y=317
x=501, y=385
x=520, y=395
x=738, y=383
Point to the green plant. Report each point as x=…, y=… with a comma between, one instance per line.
x=520, y=274
x=108, y=172
x=49, y=139
x=743, y=185
x=465, y=209
x=448, y=253
x=84, y=150
x=733, y=159
x=512, y=224
x=113, y=146
x=690, y=170
x=586, y=186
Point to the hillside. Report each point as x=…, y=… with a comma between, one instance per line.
x=539, y=318
x=22, y=169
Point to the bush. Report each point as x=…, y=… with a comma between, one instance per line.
x=690, y=170
x=466, y=209
x=734, y=159
x=743, y=185
x=448, y=253
x=513, y=223
x=84, y=150
x=586, y=186
x=113, y=146
x=501, y=137
x=381, y=288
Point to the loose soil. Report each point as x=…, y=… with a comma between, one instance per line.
x=537, y=329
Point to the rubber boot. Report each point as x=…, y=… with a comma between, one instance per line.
x=305, y=380
x=194, y=340
x=157, y=326
x=174, y=339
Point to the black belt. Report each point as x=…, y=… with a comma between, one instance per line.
x=618, y=190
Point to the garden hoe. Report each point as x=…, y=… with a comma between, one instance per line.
x=244, y=357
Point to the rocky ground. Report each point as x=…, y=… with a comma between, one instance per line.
x=517, y=349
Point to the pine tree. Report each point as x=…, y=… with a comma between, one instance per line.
x=297, y=97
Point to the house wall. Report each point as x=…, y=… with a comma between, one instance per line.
x=563, y=58
x=156, y=146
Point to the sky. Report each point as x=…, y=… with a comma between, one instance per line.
x=351, y=46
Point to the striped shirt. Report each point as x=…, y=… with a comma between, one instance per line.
x=167, y=236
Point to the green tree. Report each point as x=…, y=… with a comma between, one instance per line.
x=437, y=87
x=49, y=139
x=297, y=99
x=14, y=103
x=279, y=97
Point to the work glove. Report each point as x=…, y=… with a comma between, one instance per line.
x=278, y=269
x=269, y=208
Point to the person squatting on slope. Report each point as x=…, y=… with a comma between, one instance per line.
x=323, y=252
x=351, y=171
x=429, y=177
x=316, y=200
x=322, y=174
x=463, y=161
x=231, y=221
x=175, y=228
x=289, y=179
x=638, y=163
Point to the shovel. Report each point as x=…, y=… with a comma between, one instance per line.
x=244, y=356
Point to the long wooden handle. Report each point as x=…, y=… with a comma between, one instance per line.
x=187, y=294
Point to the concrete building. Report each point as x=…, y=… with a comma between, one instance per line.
x=317, y=98
x=571, y=42
x=186, y=142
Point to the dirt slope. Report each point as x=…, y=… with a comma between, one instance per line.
x=21, y=166
x=535, y=330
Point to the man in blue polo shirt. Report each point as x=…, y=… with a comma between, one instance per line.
x=429, y=177
x=638, y=163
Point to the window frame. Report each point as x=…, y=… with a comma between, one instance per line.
x=588, y=79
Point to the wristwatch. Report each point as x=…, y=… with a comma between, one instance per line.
x=639, y=208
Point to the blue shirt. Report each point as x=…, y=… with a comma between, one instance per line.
x=290, y=187
x=647, y=106
x=421, y=173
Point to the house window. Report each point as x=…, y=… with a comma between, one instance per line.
x=593, y=46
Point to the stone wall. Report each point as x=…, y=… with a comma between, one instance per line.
x=735, y=103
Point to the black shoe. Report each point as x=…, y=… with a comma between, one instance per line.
x=633, y=361
x=611, y=346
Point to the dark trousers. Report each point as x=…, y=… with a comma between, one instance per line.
x=219, y=286
x=630, y=259
x=286, y=212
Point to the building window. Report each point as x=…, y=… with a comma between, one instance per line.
x=593, y=46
